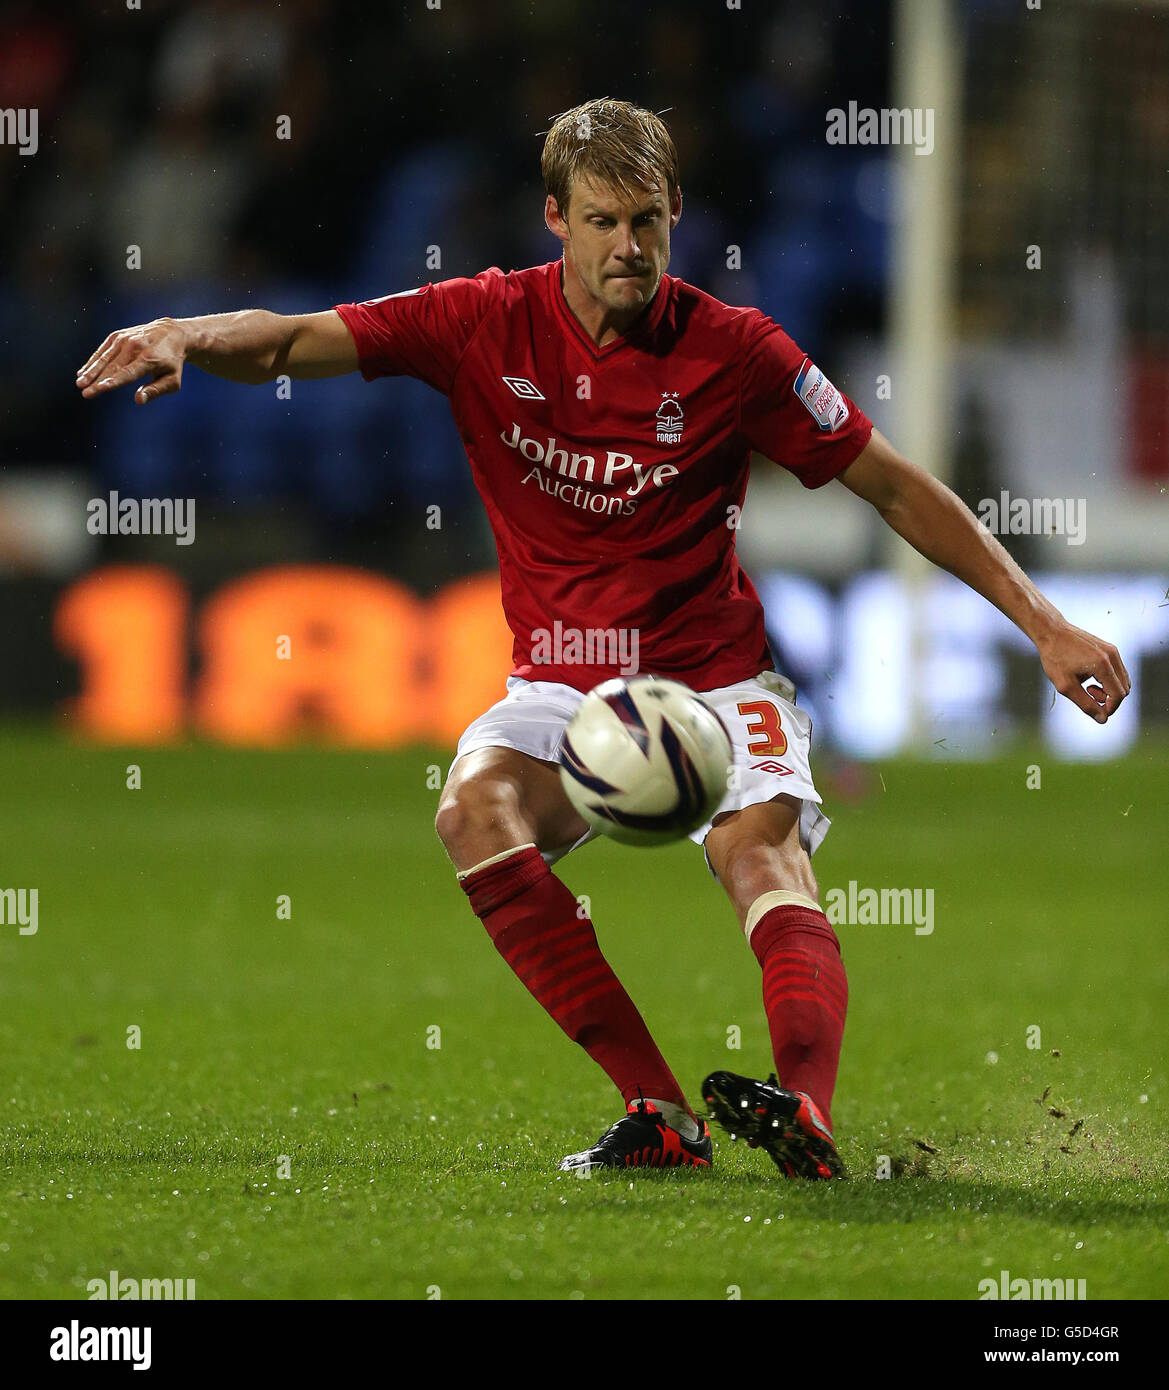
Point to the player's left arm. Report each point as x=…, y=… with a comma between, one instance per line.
x=936, y=523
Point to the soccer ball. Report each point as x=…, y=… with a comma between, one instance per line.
x=645, y=760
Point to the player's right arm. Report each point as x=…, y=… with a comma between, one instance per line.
x=249, y=346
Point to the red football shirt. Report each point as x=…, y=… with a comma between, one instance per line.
x=609, y=474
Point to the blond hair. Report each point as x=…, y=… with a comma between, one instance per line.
x=612, y=142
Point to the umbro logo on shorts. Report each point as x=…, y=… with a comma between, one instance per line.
x=523, y=388
x=769, y=766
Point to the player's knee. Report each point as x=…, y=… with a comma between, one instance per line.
x=471, y=811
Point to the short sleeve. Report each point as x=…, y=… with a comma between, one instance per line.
x=424, y=332
x=792, y=413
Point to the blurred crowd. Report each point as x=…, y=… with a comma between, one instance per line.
x=410, y=129
x=415, y=132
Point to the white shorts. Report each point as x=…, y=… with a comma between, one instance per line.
x=759, y=715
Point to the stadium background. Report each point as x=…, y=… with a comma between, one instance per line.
x=415, y=155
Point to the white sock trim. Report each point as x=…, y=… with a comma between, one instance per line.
x=677, y=1118
x=780, y=897
x=495, y=859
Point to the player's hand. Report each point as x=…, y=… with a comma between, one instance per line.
x=156, y=350
x=1071, y=656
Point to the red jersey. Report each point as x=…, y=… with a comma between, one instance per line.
x=612, y=476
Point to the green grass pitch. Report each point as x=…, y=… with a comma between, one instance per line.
x=418, y=1171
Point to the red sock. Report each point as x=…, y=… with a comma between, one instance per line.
x=537, y=927
x=805, y=994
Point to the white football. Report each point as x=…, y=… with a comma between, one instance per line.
x=645, y=760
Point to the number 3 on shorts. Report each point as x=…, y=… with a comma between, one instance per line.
x=764, y=727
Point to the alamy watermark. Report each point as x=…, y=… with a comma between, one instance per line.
x=1006, y=1287
x=18, y=907
x=123, y=1287
x=891, y=125
x=589, y=646
x=1005, y=515
x=20, y=126
x=78, y=1343
x=864, y=907
x=142, y=516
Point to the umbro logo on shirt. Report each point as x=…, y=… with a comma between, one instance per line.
x=523, y=388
